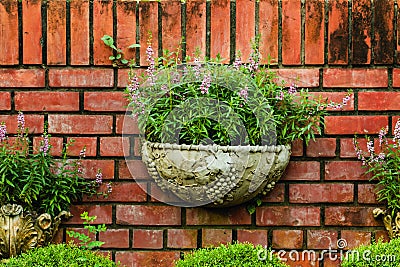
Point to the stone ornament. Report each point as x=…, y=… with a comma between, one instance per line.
x=20, y=232
x=213, y=175
x=392, y=225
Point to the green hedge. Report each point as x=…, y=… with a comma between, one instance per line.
x=59, y=256
x=231, y=255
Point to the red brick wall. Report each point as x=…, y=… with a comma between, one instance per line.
x=55, y=68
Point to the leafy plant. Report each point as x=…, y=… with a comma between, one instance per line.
x=35, y=179
x=60, y=255
x=86, y=241
x=231, y=255
x=118, y=58
x=378, y=254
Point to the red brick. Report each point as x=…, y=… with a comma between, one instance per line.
x=126, y=27
x=291, y=32
x=332, y=261
x=317, y=193
x=79, y=230
x=355, y=238
x=171, y=24
x=80, y=43
x=314, y=32
x=133, y=169
x=347, y=147
x=103, y=213
x=350, y=216
x=338, y=32
x=122, y=192
x=56, y=33
x=395, y=119
x=158, y=195
x=245, y=27
x=55, y=142
x=126, y=124
x=268, y=26
x=300, y=77
x=148, y=19
x=355, y=124
x=123, y=75
x=196, y=27
x=302, y=170
x=382, y=235
x=321, y=239
x=297, y=148
x=182, y=238
x=226, y=216
x=79, y=124
x=335, y=98
x=81, y=77
x=288, y=216
x=5, y=101
x=361, y=32
x=115, y=238
x=105, y=101
x=256, y=237
x=21, y=78
x=137, y=148
x=396, y=77
x=90, y=143
x=367, y=194
x=345, y=78
x=148, y=215
x=92, y=166
x=322, y=147
x=384, y=32
x=345, y=170
x=32, y=29
x=9, y=33
x=35, y=123
x=277, y=194
x=220, y=29
x=379, y=101
x=114, y=146
x=288, y=239
x=47, y=101
x=102, y=25
x=150, y=239
x=147, y=258
x=215, y=237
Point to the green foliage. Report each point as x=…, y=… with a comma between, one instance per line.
x=231, y=255
x=378, y=254
x=35, y=179
x=86, y=241
x=118, y=58
x=58, y=256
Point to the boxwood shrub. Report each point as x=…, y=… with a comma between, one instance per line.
x=231, y=255
x=60, y=255
x=382, y=254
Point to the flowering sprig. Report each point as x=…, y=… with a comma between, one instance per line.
x=3, y=132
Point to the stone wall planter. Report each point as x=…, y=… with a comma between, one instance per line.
x=20, y=232
x=212, y=175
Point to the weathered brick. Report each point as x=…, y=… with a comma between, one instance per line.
x=114, y=146
x=245, y=27
x=102, y=212
x=171, y=24
x=47, y=101
x=335, y=98
x=126, y=27
x=300, y=77
x=32, y=29
x=291, y=32
x=56, y=144
x=56, y=33
x=148, y=215
x=92, y=166
x=147, y=258
x=379, y=101
x=382, y=235
x=122, y=192
x=321, y=239
x=215, y=237
x=384, y=32
x=220, y=29
x=322, y=147
x=21, y=78
x=297, y=148
x=227, y=216
x=102, y=25
x=288, y=216
x=79, y=124
x=148, y=19
x=396, y=77
x=256, y=237
x=158, y=195
x=361, y=32
x=355, y=239
x=78, y=143
x=338, y=32
x=182, y=238
x=115, y=238
x=126, y=124
x=9, y=33
x=354, y=124
x=345, y=170
x=317, y=193
x=350, y=216
x=196, y=27
x=81, y=77
x=288, y=239
x=367, y=194
x=133, y=169
x=105, y=101
x=395, y=120
x=277, y=194
x=268, y=26
x=314, y=32
x=150, y=239
x=345, y=78
x=5, y=101
x=34, y=122
x=302, y=170
x=80, y=43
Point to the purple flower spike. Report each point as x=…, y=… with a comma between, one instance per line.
x=45, y=146
x=99, y=178
x=205, y=84
x=21, y=121
x=3, y=132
